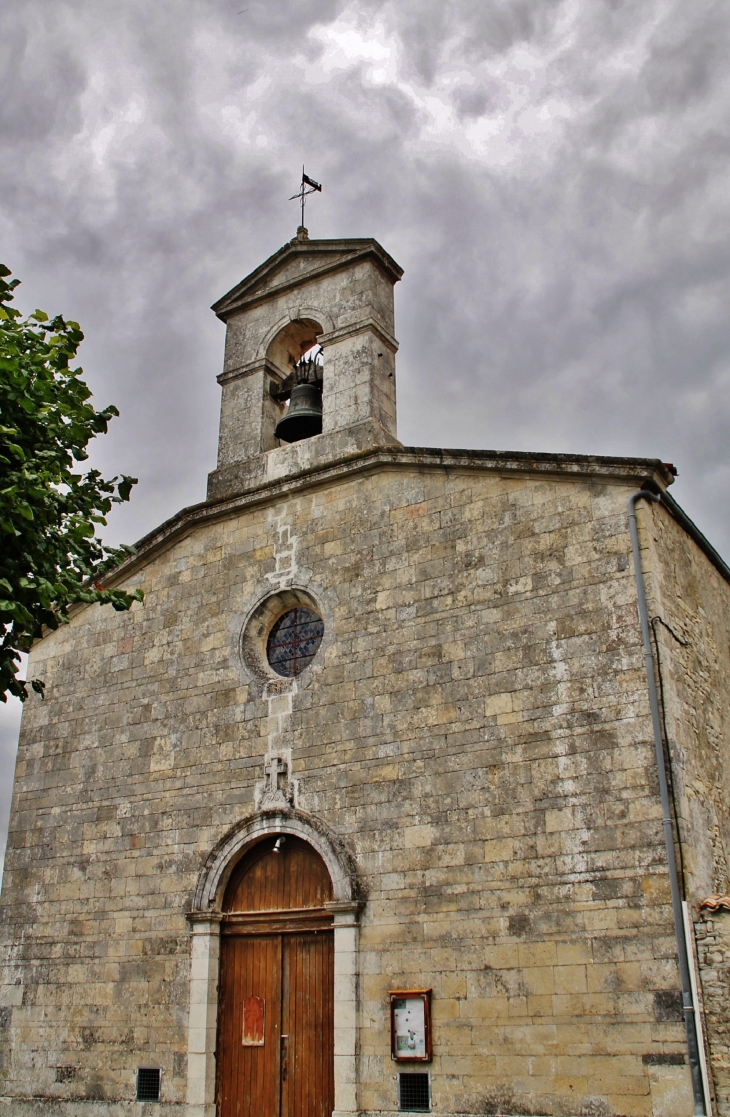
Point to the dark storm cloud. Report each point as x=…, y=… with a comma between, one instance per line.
x=553, y=177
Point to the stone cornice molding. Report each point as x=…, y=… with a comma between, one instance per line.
x=345, y=907
x=349, y=252
x=346, y=912
x=203, y=921
x=258, y=365
x=515, y=465
x=365, y=325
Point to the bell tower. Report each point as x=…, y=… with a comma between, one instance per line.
x=333, y=294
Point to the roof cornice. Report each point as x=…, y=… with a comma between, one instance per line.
x=512, y=464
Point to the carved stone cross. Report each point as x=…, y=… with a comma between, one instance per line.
x=277, y=793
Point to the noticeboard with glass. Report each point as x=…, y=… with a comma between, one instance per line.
x=410, y=1025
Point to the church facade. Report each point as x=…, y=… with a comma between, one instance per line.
x=364, y=809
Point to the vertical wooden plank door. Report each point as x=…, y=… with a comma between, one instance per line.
x=249, y=1072
x=290, y=1073
x=275, y=1051
x=307, y=1076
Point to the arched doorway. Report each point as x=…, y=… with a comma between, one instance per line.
x=275, y=1046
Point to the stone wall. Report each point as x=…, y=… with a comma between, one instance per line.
x=476, y=732
x=713, y=951
x=689, y=602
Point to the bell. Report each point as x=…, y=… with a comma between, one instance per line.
x=304, y=415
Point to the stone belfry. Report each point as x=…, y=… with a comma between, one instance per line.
x=335, y=293
x=360, y=812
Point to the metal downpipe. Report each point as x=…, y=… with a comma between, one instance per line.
x=682, y=946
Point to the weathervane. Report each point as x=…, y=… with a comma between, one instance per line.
x=304, y=192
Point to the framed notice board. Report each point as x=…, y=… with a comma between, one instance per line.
x=410, y=1025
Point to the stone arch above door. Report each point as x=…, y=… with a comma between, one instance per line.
x=225, y=855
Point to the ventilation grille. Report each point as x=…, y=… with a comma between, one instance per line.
x=414, y=1095
x=148, y=1083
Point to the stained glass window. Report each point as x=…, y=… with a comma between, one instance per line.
x=294, y=641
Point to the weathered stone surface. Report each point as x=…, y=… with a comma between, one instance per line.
x=336, y=293
x=713, y=949
x=474, y=733
x=689, y=600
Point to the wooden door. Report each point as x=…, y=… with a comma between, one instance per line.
x=248, y=1073
x=275, y=1051
x=307, y=1076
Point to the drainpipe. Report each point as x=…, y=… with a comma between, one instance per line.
x=687, y=1000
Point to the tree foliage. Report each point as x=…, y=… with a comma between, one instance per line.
x=50, y=555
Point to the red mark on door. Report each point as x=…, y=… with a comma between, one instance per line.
x=254, y=1016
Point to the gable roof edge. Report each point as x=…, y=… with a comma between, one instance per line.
x=682, y=519
x=352, y=249
x=516, y=463
x=631, y=471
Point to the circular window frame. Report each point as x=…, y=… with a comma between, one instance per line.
x=255, y=634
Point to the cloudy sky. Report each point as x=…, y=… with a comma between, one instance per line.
x=552, y=175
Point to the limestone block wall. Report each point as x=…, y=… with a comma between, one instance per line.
x=713, y=950
x=242, y=433
x=475, y=731
x=689, y=602
x=359, y=380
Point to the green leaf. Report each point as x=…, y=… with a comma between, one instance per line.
x=125, y=487
x=50, y=556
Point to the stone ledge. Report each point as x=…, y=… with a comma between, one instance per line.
x=256, y=490
x=53, y=1106
x=358, y=328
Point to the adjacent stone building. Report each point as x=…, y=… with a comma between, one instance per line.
x=382, y=725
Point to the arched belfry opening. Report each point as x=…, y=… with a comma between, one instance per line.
x=299, y=359
x=290, y=344
x=275, y=1035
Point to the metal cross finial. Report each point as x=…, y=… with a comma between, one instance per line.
x=304, y=192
